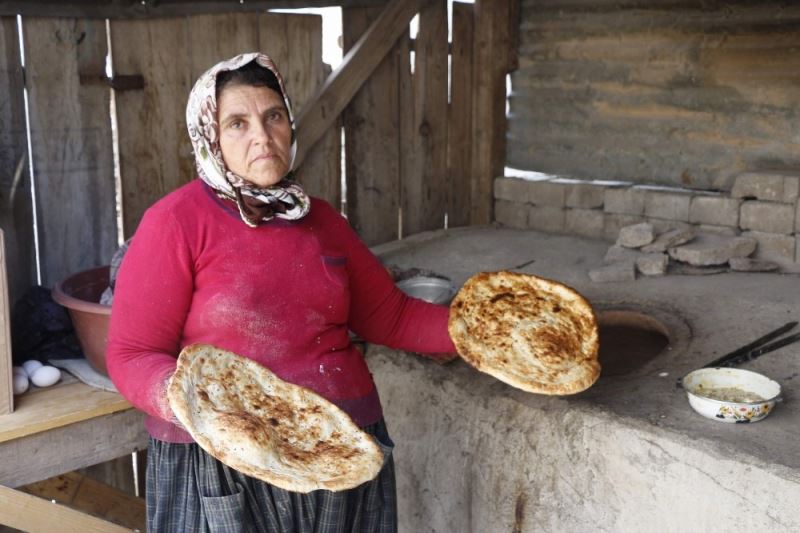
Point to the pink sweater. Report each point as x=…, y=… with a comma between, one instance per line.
x=283, y=294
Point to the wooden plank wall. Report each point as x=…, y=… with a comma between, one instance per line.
x=372, y=122
x=657, y=91
x=411, y=146
x=16, y=211
x=459, y=133
x=155, y=152
x=411, y=150
x=424, y=185
x=71, y=142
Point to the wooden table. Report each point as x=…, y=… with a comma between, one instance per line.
x=56, y=430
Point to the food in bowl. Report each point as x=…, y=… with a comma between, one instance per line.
x=731, y=395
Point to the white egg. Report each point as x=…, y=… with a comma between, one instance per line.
x=20, y=383
x=46, y=376
x=31, y=366
x=20, y=370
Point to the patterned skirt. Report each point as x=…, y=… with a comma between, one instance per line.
x=189, y=490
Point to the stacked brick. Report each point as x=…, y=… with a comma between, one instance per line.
x=761, y=205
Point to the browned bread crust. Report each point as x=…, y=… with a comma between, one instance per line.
x=533, y=333
x=251, y=420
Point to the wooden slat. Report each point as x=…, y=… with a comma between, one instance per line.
x=42, y=409
x=213, y=38
x=71, y=143
x=77, y=445
x=294, y=41
x=356, y=66
x=154, y=147
x=372, y=124
x=33, y=514
x=490, y=64
x=91, y=496
x=16, y=212
x=424, y=188
x=459, y=133
x=408, y=134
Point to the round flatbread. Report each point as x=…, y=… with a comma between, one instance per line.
x=251, y=420
x=533, y=333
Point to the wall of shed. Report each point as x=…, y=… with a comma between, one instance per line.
x=665, y=92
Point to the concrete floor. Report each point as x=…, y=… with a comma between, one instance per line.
x=629, y=454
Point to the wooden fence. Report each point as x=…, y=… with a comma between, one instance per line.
x=410, y=159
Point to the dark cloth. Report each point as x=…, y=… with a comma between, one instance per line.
x=189, y=490
x=41, y=329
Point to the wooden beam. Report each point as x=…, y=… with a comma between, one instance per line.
x=67, y=448
x=43, y=409
x=356, y=67
x=116, y=9
x=29, y=513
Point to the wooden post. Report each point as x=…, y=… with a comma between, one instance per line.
x=6, y=377
x=491, y=55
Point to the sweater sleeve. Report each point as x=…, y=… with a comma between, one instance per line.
x=151, y=300
x=383, y=314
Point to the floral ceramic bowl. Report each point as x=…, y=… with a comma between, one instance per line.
x=731, y=394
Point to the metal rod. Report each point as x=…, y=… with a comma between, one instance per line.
x=780, y=343
x=744, y=350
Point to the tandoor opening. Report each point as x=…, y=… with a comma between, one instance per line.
x=628, y=340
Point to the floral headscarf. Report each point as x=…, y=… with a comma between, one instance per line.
x=285, y=199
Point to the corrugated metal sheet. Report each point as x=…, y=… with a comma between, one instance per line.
x=666, y=92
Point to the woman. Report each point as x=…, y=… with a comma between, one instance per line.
x=244, y=260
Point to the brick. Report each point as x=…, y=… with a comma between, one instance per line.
x=636, y=235
x=620, y=254
x=585, y=222
x=748, y=264
x=767, y=186
x=612, y=223
x=767, y=217
x=715, y=210
x=667, y=205
x=624, y=271
x=663, y=226
x=548, y=219
x=773, y=246
x=585, y=195
x=707, y=249
x=511, y=214
x=547, y=193
x=670, y=239
x=797, y=220
x=797, y=249
x=652, y=264
x=627, y=201
x=718, y=230
x=512, y=189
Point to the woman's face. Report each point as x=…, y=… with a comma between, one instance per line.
x=255, y=133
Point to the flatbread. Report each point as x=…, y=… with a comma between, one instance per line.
x=248, y=418
x=532, y=333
